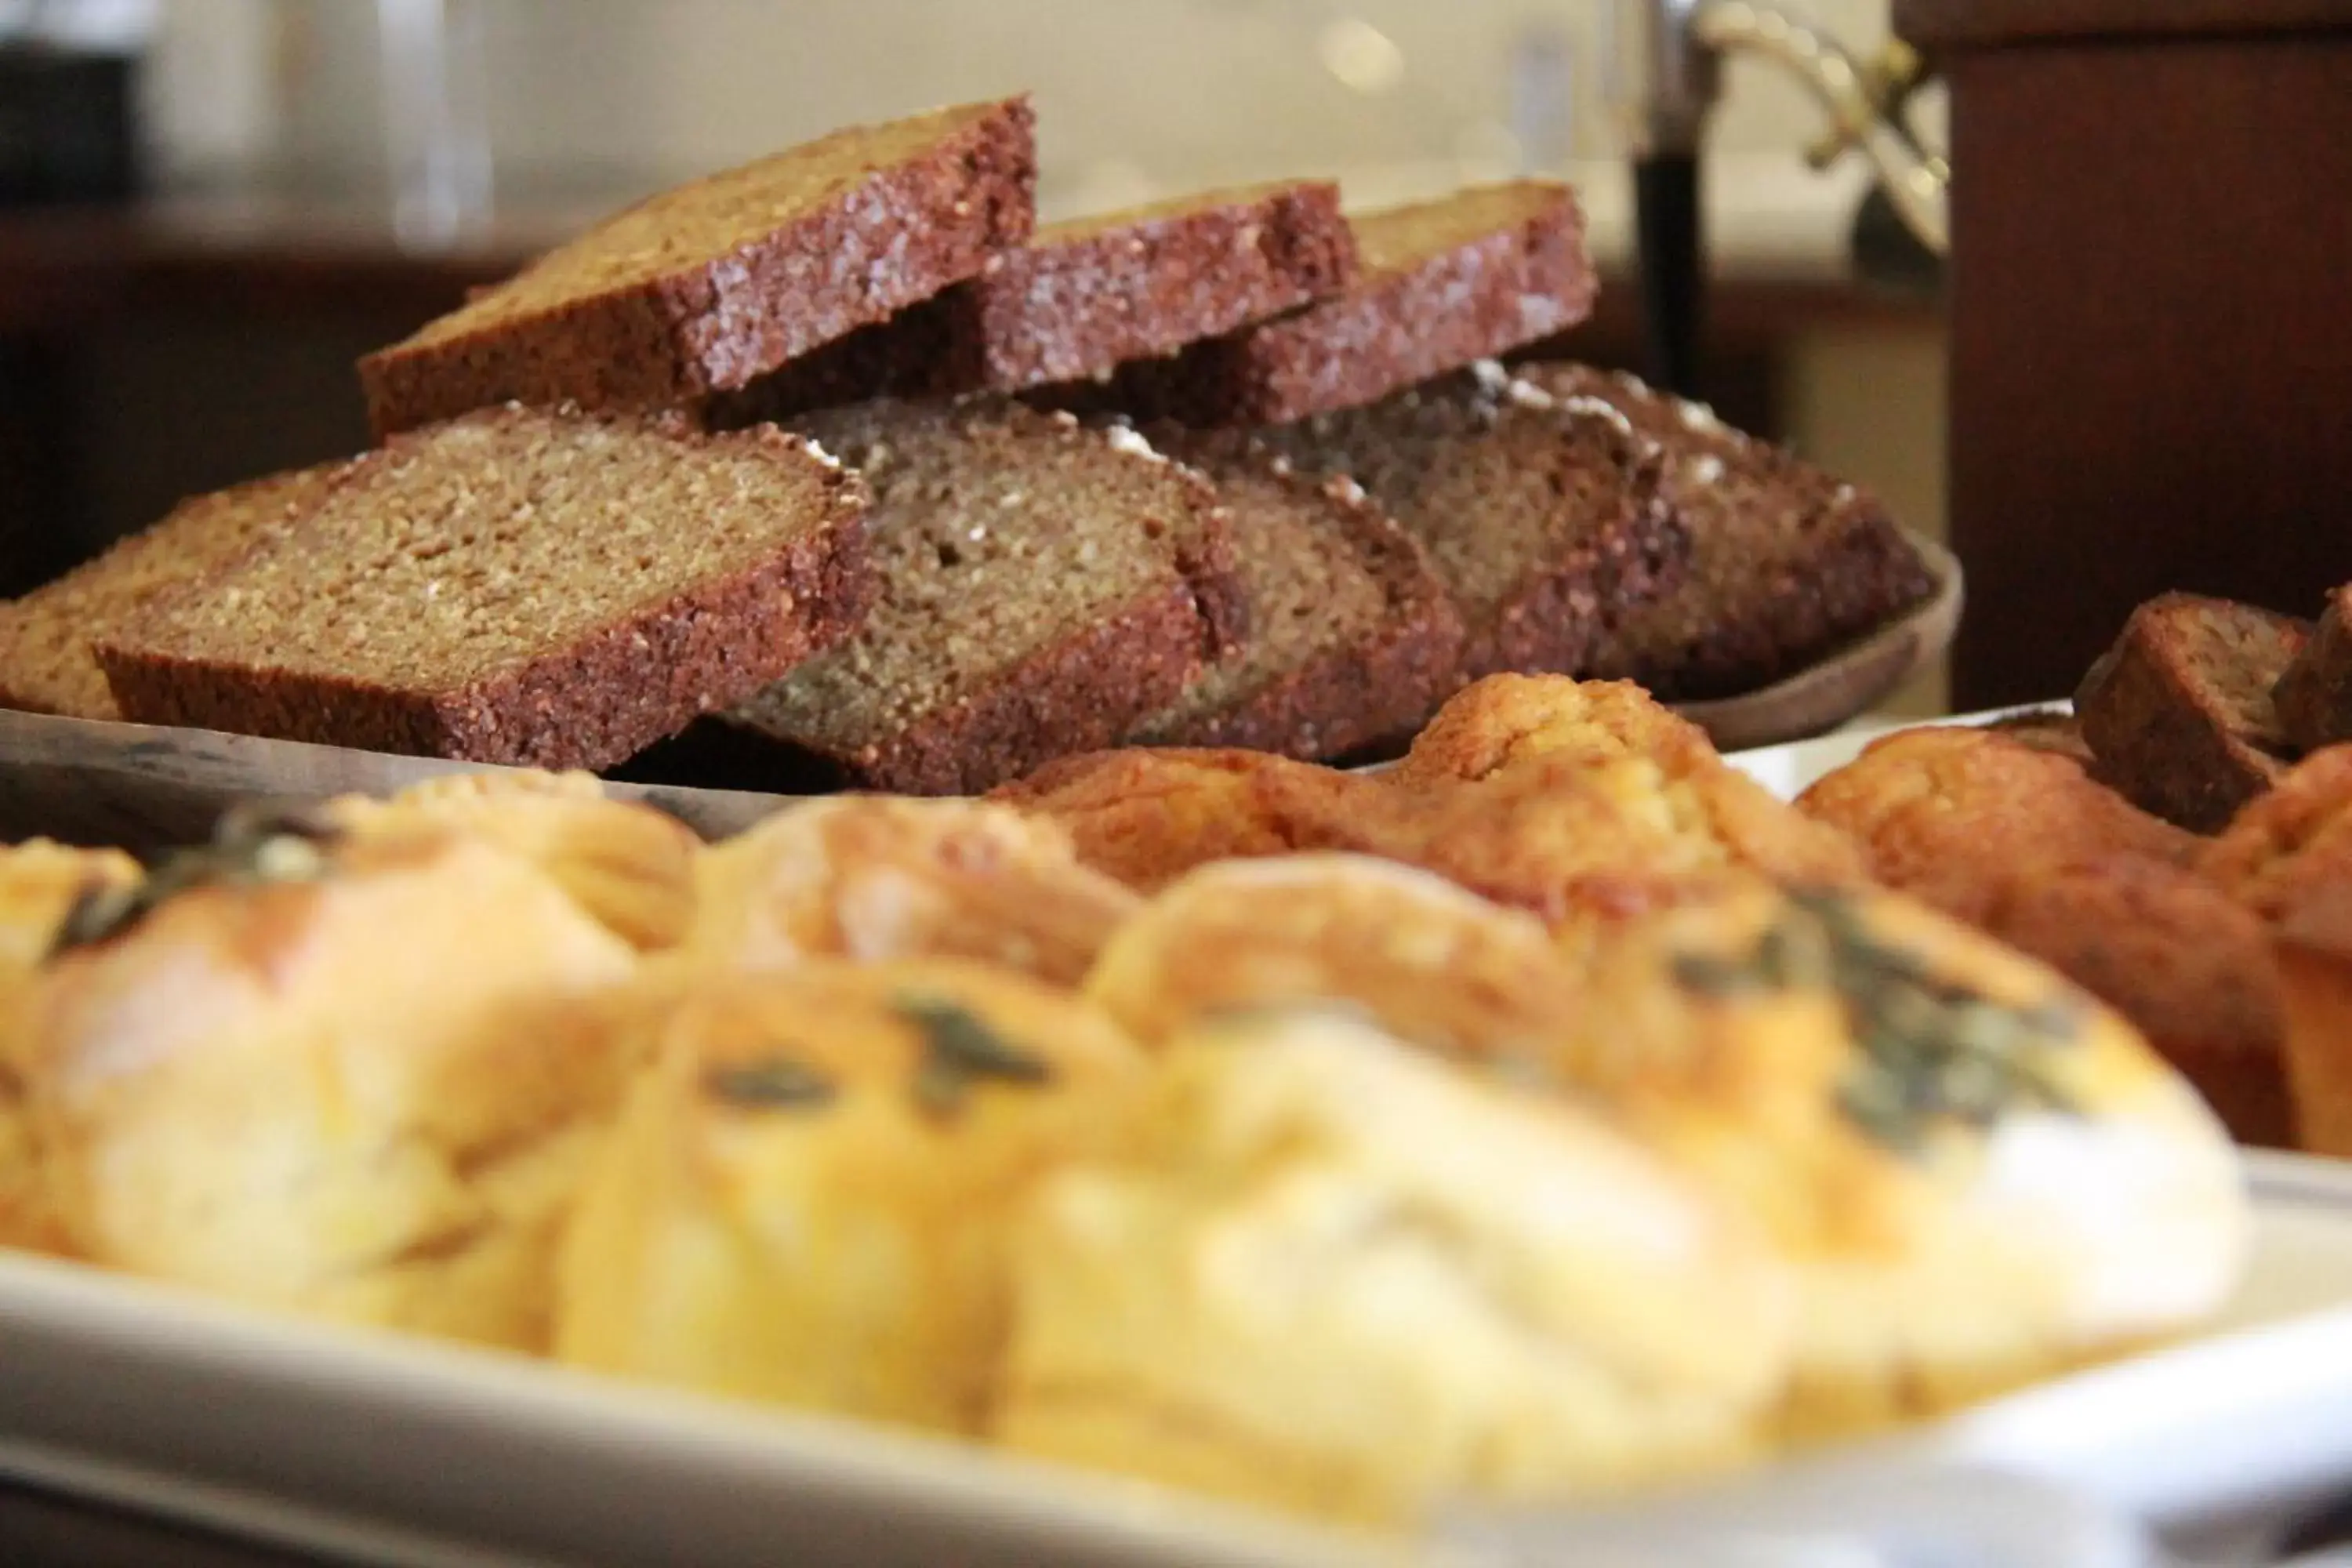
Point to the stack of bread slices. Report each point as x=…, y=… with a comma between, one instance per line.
x=838, y=470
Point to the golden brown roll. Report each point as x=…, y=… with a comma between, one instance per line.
x=41, y=883
x=804, y=1199
x=1508, y=720
x=873, y=877
x=1333, y=1272
x=354, y=1081
x=1980, y=1174
x=1435, y=964
x=629, y=866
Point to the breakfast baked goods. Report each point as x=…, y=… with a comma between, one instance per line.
x=629, y=866
x=1429, y=963
x=2053, y=729
x=707, y=285
x=1352, y=637
x=1508, y=720
x=871, y=878
x=1980, y=1175
x=1039, y=588
x=46, y=664
x=553, y=589
x=2178, y=711
x=1146, y=817
x=1543, y=519
x=1441, y=283
x=804, y=1198
x=1081, y=297
x=1336, y=1274
x=351, y=1080
x=2314, y=695
x=1787, y=562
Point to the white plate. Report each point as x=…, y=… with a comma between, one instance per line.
x=1787, y=770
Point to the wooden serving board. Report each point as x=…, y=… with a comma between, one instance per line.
x=145, y=788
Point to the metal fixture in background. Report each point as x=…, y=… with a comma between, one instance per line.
x=1668, y=58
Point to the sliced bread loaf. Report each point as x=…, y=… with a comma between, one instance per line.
x=1041, y=587
x=1352, y=638
x=2178, y=711
x=704, y=287
x=45, y=663
x=1081, y=298
x=1440, y=284
x=1543, y=519
x=2314, y=697
x=1787, y=562
x=537, y=588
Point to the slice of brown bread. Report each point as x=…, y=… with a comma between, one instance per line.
x=2314, y=698
x=1441, y=284
x=1787, y=562
x=1544, y=520
x=45, y=663
x=1042, y=586
x=2178, y=711
x=1352, y=636
x=550, y=589
x=704, y=287
x=1081, y=298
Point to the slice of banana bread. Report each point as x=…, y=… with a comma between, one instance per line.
x=1543, y=518
x=703, y=287
x=545, y=588
x=1082, y=297
x=1441, y=284
x=1041, y=587
x=1786, y=562
x=45, y=663
x=2178, y=711
x=2314, y=698
x=1352, y=637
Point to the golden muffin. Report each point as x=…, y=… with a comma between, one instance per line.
x=803, y=1200
x=629, y=866
x=1508, y=720
x=41, y=884
x=1435, y=964
x=1336, y=1273
x=1980, y=1175
x=352, y=1079
x=867, y=877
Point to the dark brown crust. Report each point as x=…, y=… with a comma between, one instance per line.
x=1064, y=310
x=672, y=339
x=1079, y=695
x=2161, y=737
x=1393, y=328
x=2314, y=698
x=589, y=705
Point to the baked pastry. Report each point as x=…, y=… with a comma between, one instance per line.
x=872, y=878
x=1980, y=1175
x=2314, y=695
x=1352, y=636
x=1508, y=720
x=1544, y=519
x=1039, y=588
x=1430, y=963
x=803, y=1200
x=705, y=286
x=1148, y=816
x=1441, y=283
x=2180, y=713
x=629, y=866
x=1081, y=297
x=46, y=664
x=1336, y=1274
x=351, y=1079
x=1787, y=562
x=2049, y=729
x=553, y=590
x=41, y=885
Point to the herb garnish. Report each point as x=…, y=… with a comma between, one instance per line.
x=250, y=844
x=767, y=1085
x=959, y=1050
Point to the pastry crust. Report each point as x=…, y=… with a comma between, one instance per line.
x=1506, y=721
x=873, y=877
x=802, y=1201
